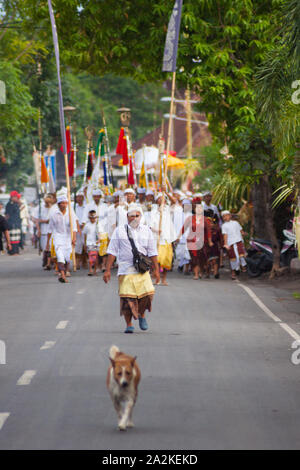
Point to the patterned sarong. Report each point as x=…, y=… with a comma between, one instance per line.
x=240, y=248
x=136, y=293
x=15, y=240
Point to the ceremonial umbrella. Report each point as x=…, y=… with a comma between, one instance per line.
x=151, y=156
x=175, y=163
x=148, y=155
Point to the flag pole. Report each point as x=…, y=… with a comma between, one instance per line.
x=62, y=124
x=110, y=169
x=125, y=115
x=75, y=166
x=169, y=65
x=165, y=160
x=40, y=159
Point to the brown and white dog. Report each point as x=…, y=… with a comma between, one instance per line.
x=122, y=381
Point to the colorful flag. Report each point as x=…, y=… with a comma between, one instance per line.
x=131, y=174
x=104, y=173
x=50, y=161
x=171, y=44
x=51, y=187
x=100, y=143
x=120, y=145
x=162, y=168
x=71, y=164
x=89, y=166
x=44, y=171
x=143, y=183
x=125, y=152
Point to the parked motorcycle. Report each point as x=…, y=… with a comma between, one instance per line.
x=260, y=255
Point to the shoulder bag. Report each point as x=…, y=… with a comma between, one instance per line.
x=141, y=262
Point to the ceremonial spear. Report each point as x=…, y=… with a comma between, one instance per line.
x=169, y=65
x=62, y=123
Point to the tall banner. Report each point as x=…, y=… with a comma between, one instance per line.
x=171, y=44
x=61, y=106
x=51, y=164
x=62, y=124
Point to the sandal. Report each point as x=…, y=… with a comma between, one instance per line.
x=143, y=323
x=129, y=329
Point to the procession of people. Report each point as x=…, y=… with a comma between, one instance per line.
x=191, y=234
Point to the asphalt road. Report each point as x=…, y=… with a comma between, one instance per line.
x=216, y=368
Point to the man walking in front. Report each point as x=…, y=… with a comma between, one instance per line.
x=135, y=289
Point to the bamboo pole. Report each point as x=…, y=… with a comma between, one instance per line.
x=170, y=123
x=189, y=123
x=62, y=119
x=70, y=210
x=165, y=167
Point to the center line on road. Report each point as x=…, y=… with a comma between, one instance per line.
x=62, y=324
x=270, y=314
x=48, y=345
x=26, y=378
x=3, y=418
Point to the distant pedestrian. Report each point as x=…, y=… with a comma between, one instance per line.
x=234, y=243
x=59, y=228
x=163, y=228
x=12, y=214
x=217, y=243
x=199, y=241
x=4, y=230
x=91, y=241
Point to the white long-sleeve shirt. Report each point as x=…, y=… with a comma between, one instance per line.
x=59, y=225
x=120, y=246
x=168, y=234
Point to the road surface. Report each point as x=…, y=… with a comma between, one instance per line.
x=216, y=366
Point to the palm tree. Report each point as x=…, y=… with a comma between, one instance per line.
x=274, y=79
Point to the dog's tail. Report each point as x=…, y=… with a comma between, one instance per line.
x=113, y=351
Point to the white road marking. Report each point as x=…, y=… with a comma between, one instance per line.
x=71, y=308
x=26, y=378
x=3, y=418
x=48, y=345
x=62, y=324
x=270, y=314
x=81, y=291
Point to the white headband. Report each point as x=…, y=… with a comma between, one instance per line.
x=134, y=208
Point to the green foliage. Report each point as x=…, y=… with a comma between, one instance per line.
x=231, y=191
x=16, y=114
x=222, y=44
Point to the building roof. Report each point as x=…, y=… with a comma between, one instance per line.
x=200, y=135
